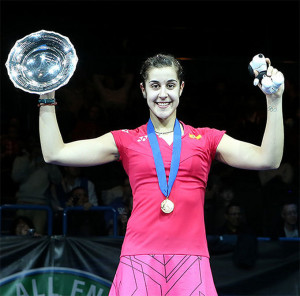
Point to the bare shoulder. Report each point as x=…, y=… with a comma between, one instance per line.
x=224, y=144
x=228, y=150
x=107, y=143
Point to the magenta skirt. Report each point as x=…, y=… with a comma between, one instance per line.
x=163, y=275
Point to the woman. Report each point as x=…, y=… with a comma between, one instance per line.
x=165, y=249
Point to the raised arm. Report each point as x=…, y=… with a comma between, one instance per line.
x=78, y=153
x=269, y=154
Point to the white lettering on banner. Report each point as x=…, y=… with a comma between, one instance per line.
x=21, y=289
x=50, y=287
x=34, y=289
x=92, y=291
x=75, y=287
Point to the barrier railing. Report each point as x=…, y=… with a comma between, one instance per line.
x=96, y=208
x=287, y=239
x=29, y=207
x=65, y=215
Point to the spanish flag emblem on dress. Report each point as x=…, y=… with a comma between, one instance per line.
x=195, y=137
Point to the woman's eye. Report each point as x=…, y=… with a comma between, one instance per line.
x=171, y=86
x=155, y=86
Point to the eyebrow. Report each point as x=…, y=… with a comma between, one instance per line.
x=170, y=80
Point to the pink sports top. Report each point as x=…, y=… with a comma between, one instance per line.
x=149, y=230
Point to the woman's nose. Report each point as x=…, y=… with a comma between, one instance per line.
x=163, y=93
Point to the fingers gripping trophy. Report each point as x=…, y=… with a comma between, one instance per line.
x=41, y=63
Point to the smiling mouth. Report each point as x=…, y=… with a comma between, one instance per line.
x=163, y=104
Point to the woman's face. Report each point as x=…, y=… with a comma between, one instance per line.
x=162, y=90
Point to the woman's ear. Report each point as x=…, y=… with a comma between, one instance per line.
x=181, y=88
x=143, y=90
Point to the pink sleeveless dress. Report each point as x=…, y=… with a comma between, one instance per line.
x=166, y=254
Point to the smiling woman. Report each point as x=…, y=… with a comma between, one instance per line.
x=162, y=90
x=167, y=163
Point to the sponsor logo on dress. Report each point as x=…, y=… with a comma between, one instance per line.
x=142, y=139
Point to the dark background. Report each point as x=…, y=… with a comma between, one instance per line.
x=221, y=37
x=215, y=41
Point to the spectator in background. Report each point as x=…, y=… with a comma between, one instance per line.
x=123, y=205
x=289, y=224
x=11, y=142
x=34, y=177
x=245, y=248
x=83, y=223
x=72, y=178
x=78, y=197
x=211, y=193
x=11, y=147
x=89, y=125
x=113, y=91
x=225, y=196
x=23, y=226
x=274, y=185
x=234, y=220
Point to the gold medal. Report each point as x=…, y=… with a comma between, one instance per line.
x=167, y=206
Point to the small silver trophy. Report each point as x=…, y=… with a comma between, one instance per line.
x=41, y=62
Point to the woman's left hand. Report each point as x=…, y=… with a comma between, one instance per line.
x=268, y=81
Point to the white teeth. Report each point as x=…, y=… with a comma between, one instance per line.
x=163, y=104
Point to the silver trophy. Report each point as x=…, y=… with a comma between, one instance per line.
x=41, y=62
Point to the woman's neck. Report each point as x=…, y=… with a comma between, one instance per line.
x=163, y=125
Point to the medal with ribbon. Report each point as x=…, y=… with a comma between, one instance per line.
x=167, y=206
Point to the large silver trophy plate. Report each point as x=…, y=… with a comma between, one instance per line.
x=41, y=62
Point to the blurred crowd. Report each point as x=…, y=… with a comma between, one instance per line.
x=264, y=203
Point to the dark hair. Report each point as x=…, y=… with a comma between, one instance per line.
x=71, y=193
x=19, y=219
x=160, y=61
x=289, y=202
